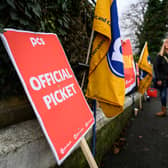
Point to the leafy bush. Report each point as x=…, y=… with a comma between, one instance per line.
x=69, y=19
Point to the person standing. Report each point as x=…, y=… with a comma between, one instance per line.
x=161, y=75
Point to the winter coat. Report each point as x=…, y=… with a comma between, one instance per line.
x=161, y=70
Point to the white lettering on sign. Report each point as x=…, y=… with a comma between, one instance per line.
x=48, y=79
x=58, y=96
x=37, y=41
x=45, y=80
x=62, y=150
x=88, y=122
x=76, y=135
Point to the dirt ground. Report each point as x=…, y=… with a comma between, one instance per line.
x=146, y=141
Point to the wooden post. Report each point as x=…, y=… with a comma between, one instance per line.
x=89, y=157
x=140, y=102
x=87, y=58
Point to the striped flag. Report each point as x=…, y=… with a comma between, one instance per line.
x=106, y=74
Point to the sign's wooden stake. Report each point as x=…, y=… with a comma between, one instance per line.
x=88, y=155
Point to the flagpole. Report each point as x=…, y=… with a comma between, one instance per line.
x=83, y=144
x=94, y=102
x=87, y=58
x=94, y=130
x=140, y=99
x=142, y=51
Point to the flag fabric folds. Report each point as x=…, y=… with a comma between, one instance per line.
x=145, y=68
x=106, y=74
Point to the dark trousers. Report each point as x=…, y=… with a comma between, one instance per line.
x=163, y=95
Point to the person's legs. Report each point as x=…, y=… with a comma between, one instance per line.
x=163, y=99
x=163, y=96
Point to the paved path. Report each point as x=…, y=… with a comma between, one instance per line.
x=147, y=141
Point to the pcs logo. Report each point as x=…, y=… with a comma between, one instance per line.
x=115, y=59
x=37, y=41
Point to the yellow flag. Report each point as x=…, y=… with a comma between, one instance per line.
x=145, y=67
x=106, y=74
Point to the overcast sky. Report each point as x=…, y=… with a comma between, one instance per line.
x=123, y=5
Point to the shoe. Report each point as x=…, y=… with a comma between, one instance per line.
x=161, y=113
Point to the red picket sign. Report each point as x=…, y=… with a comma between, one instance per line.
x=51, y=87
